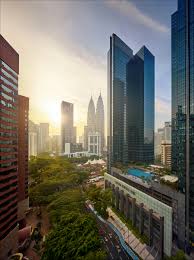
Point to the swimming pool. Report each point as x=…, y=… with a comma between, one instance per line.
x=140, y=173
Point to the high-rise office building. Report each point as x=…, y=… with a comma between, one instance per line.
x=81, y=140
x=182, y=44
x=91, y=122
x=159, y=137
x=43, y=138
x=55, y=143
x=140, y=107
x=100, y=120
x=9, y=70
x=33, y=135
x=167, y=132
x=162, y=135
x=91, y=116
x=68, y=131
x=94, y=143
x=23, y=199
x=130, y=104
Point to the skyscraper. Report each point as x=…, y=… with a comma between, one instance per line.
x=91, y=122
x=130, y=104
x=43, y=138
x=117, y=139
x=162, y=135
x=100, y=120
x=68, y=131
x=33, y=135
x=23, y=199
x=91, y=116
x=182, y=44
x=140, y=106
x=9, y=70
x=167, y=132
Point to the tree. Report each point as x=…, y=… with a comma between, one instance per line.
x=100, y=198
x=73, y=238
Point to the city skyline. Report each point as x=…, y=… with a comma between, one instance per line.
x=88, y=60
x=103, y=71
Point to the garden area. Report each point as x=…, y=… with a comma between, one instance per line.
x=57, y=187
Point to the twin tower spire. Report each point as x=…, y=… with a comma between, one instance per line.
x=95, y=118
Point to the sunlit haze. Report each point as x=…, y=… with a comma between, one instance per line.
x=63, y=47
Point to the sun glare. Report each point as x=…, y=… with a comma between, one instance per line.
x=53, y=112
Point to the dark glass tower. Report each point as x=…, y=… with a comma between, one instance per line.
x=118, y=58
x=140, y=93
x=182, y=26
x=130, y=104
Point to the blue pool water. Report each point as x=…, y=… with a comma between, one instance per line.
x=140, y=173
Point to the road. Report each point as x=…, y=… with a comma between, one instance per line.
x=111, y=242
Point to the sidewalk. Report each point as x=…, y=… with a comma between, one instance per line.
x=140, y=249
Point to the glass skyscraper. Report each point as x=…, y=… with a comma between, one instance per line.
x=140, y=95
x=182, y=43
x=130, y=104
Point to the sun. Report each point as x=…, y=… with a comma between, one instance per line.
x=52, y=110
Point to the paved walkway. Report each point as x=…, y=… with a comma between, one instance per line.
x=140, y=249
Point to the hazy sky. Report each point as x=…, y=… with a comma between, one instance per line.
x=63, y=47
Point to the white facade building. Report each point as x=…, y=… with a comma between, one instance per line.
x=94, y=143
x=33, y=143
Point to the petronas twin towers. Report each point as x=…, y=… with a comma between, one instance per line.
x=95, y=122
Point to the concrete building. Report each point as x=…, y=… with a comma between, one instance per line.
x=55, y=143
x=166, y=154
x=33, y=144
x=23, y=199
x=81, y=140
x=68, y=131
x=163, y=135
x=9, y=70
x=43, y=138
x=154, y=209
x=73, y=148
x=78, y=154
x=167, y=132
x=94, y=143
x=159, y=137
x=33, y=136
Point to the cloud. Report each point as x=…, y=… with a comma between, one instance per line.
x=163, y=106
x=131, y=11
x=162, y=111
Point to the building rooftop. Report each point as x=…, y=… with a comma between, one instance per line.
x=170, y=178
